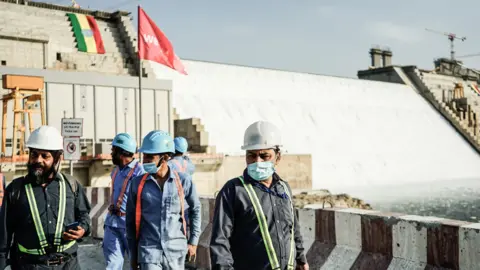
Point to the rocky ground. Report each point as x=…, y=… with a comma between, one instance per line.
x=324, y=198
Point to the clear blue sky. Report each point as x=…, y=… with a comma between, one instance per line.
x=325, y=37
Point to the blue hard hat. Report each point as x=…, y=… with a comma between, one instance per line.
x=157, y=142
x=126, y=142
x=181, y=144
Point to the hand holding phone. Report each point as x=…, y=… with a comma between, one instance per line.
x=72, y=226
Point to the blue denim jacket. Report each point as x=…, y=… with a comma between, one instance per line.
x=114, y=220
x=186, y=165
x=161, y=224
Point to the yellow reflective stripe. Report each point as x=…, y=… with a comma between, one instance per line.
x=262, y=222
x=36, y=216
x=31, y=251
x=61, y=212
x=292, y=238
x=66, y=246
x=38, y=223
x=40, y=251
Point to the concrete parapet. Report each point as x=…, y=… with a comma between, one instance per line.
x=354, y=238
x=99, y=200
x=367, y=239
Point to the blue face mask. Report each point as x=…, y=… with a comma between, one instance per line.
x=260, y=171
x=152, y=167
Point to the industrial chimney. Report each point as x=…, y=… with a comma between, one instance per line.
x=376, y=55
x=387, y=57
x=381, y=57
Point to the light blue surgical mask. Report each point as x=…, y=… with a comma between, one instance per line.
x=260, y=171
x=152, y=167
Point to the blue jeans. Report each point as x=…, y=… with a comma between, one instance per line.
x=164, y=264
x=114, y=247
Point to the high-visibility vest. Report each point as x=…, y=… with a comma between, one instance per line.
x=38, y=223
x=138, y=206
x=179, y=165
x=262, y=222
x=124, y=186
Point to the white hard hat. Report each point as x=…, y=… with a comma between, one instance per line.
x=261, y=135
x=45, y=138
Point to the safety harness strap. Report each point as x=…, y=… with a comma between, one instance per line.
x=138, y=206
x=61, y=212
x=262, y=222
x=36, y=218
x=124, y=186
x=42, y=252
x=38, y=223
x=181, y=195
x=179, y=165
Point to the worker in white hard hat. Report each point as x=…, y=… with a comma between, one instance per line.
x=46, y=211
x=255, y=225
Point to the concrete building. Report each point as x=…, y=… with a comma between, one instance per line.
x=103, y=90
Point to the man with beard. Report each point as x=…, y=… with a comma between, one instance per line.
x=156, y=206
x=46, y=212
x=115, y=238
x=254, y=224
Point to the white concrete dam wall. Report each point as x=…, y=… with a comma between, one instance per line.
x=361, y=134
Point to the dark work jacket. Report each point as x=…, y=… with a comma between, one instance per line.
x=17, y=222
x=236, y=241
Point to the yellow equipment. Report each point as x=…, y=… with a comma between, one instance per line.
x=26, y=89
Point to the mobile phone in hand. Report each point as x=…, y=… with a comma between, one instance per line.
x=72, y=226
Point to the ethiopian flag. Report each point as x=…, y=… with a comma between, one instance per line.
x=87, y=34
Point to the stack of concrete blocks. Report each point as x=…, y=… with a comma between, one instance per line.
x=128, y=34
x=435, y=84
x=193, y=130
x=36, y=33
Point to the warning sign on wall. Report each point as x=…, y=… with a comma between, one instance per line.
x=72, y=127
x=71, y=148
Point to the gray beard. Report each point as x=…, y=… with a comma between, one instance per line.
x=41, y=177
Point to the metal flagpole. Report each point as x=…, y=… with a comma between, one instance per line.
x=140, y=75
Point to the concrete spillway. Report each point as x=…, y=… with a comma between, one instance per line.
x=361, y=134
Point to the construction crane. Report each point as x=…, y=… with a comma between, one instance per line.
x=451, y=37
x=468, y=55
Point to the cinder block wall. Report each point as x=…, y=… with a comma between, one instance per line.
x=195, y=133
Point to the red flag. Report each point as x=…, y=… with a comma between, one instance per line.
x=153, y=45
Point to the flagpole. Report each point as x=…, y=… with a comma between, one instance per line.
x=140, y=75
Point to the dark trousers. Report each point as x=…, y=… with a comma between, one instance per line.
x=71, y=264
